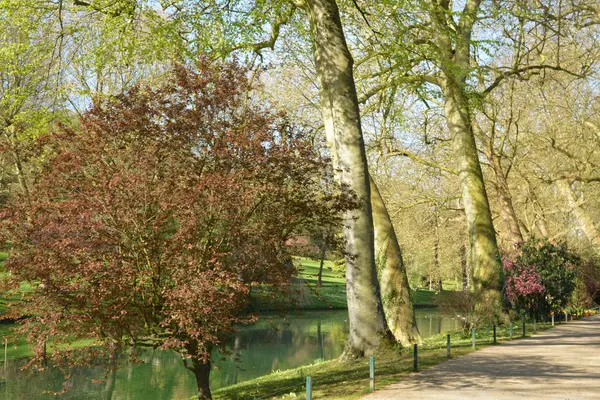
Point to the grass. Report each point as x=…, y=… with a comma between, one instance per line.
x=18, y=348
x=332, y=292
x=5, y=300
x=330, y=295
x=350, y=380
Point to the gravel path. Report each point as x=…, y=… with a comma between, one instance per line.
x=560, y=363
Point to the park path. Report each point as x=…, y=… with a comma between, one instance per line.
x=560, y=363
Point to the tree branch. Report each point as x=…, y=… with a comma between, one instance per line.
x=416, y=80
x=528, y=68
x=420, y=160
x=269, y=43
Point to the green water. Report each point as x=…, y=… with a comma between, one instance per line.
x=274, y=343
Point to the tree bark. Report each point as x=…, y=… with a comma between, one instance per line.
x=454, y=56
x=321, y=264
x=342, y=121
x=201, y=371
x=584, y=221
x=482, y=236
x=509, y=216
x=395, y=290
x=436, y=252
x=464, y=269
x=200, y=368
x=109, y=387
x=539, y=218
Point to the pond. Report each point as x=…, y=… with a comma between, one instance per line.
x=274, y=343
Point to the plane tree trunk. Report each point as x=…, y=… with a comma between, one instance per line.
x=509, y=215
x=584, y=222
x=395, y=290
x=454, y=44
x=368, y=327
x=482, y=236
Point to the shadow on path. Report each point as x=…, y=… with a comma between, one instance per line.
x=563, y=362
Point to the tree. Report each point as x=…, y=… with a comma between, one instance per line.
x=153, y=222
x=441, y=51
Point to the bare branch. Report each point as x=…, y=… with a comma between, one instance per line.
x=420, y=160
x=519, y=71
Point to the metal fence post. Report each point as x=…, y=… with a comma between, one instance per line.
x=524, y=329
x=494, y=333
x=534, y=326
x=448, y=344
x=552, y=319
x=415, y=358
x=372, y=372
x=566, y=316
x=474, y=333
x=308, y=388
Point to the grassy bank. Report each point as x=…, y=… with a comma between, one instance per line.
x=332, y=292
x=330, y=295
x=334, y=380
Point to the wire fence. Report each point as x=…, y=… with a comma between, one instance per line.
x=513, y=330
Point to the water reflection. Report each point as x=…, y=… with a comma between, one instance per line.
x=274, y=343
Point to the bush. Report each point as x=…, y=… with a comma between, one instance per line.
x=339, y=265
x=541, y=278
x=587, y=289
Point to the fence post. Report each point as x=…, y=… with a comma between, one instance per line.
x=552, y=319
x=448, y=344
x=524, y=329
x=510, y=330
x=415, y=358
x=474, y=333
x=5, y=353
x=308, y=388
x=566, y=316
x=494, y=333
x=372, y=372
x=534, y=327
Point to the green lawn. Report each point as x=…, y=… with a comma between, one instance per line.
x=331, y=294
x=5, y=300
x=333, y=290
x=334, y=380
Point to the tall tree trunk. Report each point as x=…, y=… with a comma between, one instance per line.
x=322, y=263
x=464, y=269
x=13, y=141
x=395, y=290
x=436, y=252
x=482, y=236
x=109, y=387
x=584, y=221
x=509, y=216
x=454, y=55
x=392, y=276
x=539, y=218
x=342, y=119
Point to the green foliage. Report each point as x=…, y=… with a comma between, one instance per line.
x=542, y=277
x=339, y=266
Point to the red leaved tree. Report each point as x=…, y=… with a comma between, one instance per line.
x=153, y=221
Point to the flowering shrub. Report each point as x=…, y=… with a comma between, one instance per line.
x=541, y=278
